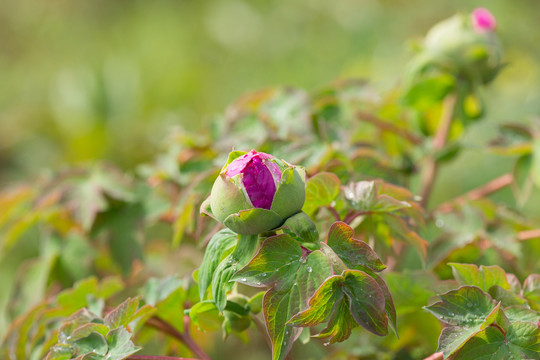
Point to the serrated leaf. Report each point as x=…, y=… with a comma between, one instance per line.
x=120, y=344
x=75, y=298
x=466, y=306
x=302, y=227
x=522, y=341
x=93, y=343
x=519, y=313
x=484, y=277
x=361, y=195
x=60, y=352
x=321, y=190
x=123, y=313
x=293, y=276
x=218, y=247
x=496, y=317
x=354, y=253
x=385, y=203
x=86, y=329
x=364, y=302
x=506, y=297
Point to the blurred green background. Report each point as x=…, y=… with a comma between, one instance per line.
x=87, y=80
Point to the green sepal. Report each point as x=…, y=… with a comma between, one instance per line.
x=253, y=221
x=290, y=193
x=227, y=198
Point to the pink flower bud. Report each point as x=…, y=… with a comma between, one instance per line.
x=483, y=20
x=259, y=176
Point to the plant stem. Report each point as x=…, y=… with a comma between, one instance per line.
x=436, y=356
x=386, y=126
x=163, y=326
x=334, y=213
x=479, y=192
x=153, y=357
x=528, y=234
x=429, y=171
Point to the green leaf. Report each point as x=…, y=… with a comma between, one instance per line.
x=120, y=344
x=205, y=315
x=90, y=193
x=484, y=277
x=531, y=291
x=255, y=302
x=86, y=329
x=93, y=343
x=522, y=184
x=453, y=338
x=354, y=294
x=385, y=203
x=76, y=297
x=60, y=352
x=242, y=254
x=354, y=253
x=123, y=225
x=506, y=297
x=157, y=290
x=321, y=190
x=293, y=276
x=219, y=246
x=361, y=195
x=522, y=341
x=185, y=221
x=519, y=313
x=429, y=91
x=466, y=306
x=123, y=313
x=172, y=308
x=496, y=317
x=302, y=227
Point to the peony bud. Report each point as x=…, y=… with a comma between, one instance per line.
x=255, y=192
x=483, y=20
x=465, y=47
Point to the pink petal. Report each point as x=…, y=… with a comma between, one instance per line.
x=483, y=20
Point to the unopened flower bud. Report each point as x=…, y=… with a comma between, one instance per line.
x=255, y=192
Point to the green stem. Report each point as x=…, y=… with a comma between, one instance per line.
x=429, y=171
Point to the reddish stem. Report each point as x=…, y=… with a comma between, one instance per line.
x=430, y=168
x=528, y=234
x=163, y=326
x=153, y=357
x=436, y=356
x=479, y=192
x=334, y=212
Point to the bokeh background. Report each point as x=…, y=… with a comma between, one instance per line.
x=88, y=80
x=85, y=81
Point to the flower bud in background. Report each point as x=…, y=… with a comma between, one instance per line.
x=255, y=192
x=483, y=20
x=464, y=46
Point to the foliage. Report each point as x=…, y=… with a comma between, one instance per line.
x=365, y=255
